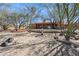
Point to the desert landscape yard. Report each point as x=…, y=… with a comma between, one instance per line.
x=38, y=29
x=31, y=44
x=27, y=44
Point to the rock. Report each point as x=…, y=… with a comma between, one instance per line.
x=55, y=37
x=9, y=40
x=75, y=33
x=3, y=44
x=41, y=33
x=6, y=41
x=72, y=38
x=61, y=34
x=77, y=37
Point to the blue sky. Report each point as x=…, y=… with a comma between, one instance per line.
x=18, y=7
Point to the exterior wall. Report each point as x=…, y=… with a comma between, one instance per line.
x=72, y=25
x=46, y=25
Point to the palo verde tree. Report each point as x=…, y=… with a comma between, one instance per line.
x=31, y=14
x=4, y=19
x=66, y=46
x=4, y=16
x=17, y=20
x=52, y=13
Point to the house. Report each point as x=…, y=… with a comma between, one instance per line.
x=47, y=25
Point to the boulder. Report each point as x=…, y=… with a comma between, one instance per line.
x=7, y=40
x=77, y=37
x=61, y=34
x=55, y=37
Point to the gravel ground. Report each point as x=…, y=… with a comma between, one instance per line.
x=30, y=44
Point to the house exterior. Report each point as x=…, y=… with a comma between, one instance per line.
x=47, y=25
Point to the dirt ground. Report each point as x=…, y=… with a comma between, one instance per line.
x=24, y=45
x=29, y=44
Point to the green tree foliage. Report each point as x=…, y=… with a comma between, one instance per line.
x=4, y=19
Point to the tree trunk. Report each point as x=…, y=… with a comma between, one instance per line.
x=67, y=38
x=4, y=27
x=16, y=28
x=19, y=27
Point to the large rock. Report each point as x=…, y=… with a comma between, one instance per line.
x=77, y=37
x=7, y=40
